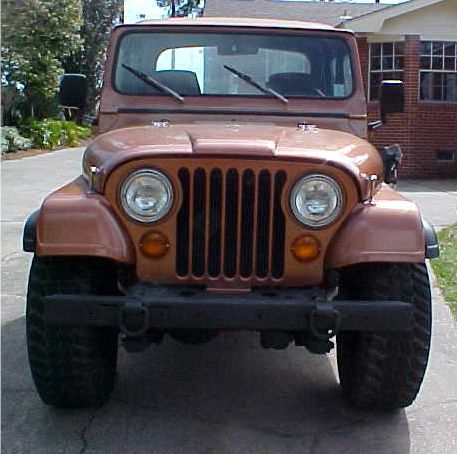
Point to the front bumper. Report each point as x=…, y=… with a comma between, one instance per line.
x=283, y=310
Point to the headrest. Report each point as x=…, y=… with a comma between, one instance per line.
x=184, y=82
x=292, y=84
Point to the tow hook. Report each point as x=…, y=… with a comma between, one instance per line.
x=324, y=321
x=133, y=319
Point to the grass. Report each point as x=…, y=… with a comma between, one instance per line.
x=445, y=267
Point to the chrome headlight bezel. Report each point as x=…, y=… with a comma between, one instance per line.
x=157, y=175
x=331, y=217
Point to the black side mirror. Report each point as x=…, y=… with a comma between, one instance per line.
x=73, y=90
x=391, y=98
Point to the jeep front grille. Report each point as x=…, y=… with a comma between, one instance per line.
x=230, y=224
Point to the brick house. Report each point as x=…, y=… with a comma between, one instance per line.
x=415, y=41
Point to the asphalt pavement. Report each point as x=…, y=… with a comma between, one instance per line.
x=228, y=396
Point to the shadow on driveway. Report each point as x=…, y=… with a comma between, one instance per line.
x=228, y=396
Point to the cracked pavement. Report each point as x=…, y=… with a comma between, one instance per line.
x=228, y=396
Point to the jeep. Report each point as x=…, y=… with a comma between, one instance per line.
x=231, y=186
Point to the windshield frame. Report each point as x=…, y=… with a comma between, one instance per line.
x=142, y=29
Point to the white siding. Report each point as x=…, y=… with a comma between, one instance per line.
x=436, y=22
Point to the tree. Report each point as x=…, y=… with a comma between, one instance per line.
x=181, y=8
x=34, y=41
x=98, y=18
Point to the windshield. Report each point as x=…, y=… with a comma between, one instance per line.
x=195, y=64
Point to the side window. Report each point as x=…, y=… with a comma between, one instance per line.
x=285, y=62
x=341, y=76
x=184, y=58
x=208, y=66
x=265, y=63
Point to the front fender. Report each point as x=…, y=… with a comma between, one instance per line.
x=389, y=230
x=73, y=221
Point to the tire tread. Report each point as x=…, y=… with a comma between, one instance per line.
x=72, y=366
x=384, y=370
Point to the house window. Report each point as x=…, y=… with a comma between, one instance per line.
x=386, y=63
x=445, y=155
x=438, y=73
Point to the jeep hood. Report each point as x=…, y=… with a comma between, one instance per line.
x=283, y=143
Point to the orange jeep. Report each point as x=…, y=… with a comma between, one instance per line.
x=231, y=187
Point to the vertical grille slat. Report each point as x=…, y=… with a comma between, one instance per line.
x=247, y=223
x=231, y=224
x=199, y=213
x=215, y=223
x=255, y=208
x=279, y=228
x=182, y=233
x=231, y=219
x=263, y=223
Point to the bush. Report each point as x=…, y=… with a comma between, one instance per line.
x=74, y=133
x=50, y=133
x=13, y=141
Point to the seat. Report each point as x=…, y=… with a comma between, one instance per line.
x=183, y=82
x=293, y=84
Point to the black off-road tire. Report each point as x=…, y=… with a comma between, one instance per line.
x=72, y=366
x=384, y=370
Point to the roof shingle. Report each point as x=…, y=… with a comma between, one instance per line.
x=331, y=13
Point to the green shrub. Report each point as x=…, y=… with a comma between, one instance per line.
x=13, y=141
x=49, y=133
x=74, y=133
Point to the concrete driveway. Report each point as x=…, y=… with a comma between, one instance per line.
x=437, y=199
x=229, y=396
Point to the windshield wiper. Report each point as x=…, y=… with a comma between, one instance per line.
x=248, y=79
x=153, y=82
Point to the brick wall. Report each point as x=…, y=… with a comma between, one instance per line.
x=423, y=129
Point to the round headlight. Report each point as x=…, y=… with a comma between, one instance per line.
x=316, y=200
x=147, y=195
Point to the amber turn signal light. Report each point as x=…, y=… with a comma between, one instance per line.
x=306, y=248
x=154, y=245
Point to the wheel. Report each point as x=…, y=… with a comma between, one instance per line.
x=72, y=366
x=384, y=370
